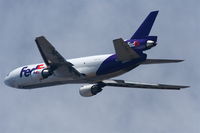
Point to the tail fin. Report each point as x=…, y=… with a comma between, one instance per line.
x=146, y=26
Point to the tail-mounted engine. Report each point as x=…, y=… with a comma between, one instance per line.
x=143, y=43
x=150, y=44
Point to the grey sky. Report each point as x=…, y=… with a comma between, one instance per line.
x=83, y=28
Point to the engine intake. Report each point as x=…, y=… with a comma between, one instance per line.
x=90, y=90
x=150, y=44
x=46, y=73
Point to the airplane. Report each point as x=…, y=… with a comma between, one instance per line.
x=95, y=72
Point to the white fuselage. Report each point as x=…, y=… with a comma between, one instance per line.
x=30, y=77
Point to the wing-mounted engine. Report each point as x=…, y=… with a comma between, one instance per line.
x=46, y=73
x=41, y=73
x=91, y=89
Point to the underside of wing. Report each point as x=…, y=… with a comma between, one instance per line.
x=123, y=50
x=160, y=61
x=122, y=83
x=54, y=60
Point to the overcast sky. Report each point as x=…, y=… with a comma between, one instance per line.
x=87, y=27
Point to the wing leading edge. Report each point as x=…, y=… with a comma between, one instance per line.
x=54, y=60
x=122, y=83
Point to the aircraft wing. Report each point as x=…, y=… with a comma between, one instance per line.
x=123, y=50
x=160, y=61
x=54, y=60
x=122, y=83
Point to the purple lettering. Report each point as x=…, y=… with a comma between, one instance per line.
x=26, y=72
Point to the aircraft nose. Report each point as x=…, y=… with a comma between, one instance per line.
x=9, y=81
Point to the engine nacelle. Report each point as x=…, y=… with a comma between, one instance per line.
x=46, y=73
x=150, y=44
x=90, y=90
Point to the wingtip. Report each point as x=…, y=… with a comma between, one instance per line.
x=39, y=37
x=186, y=86
x=183, y=87
x=180, y=60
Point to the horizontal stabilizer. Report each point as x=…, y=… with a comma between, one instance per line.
x=123, y=51
x=160, y=61
x=122, y=83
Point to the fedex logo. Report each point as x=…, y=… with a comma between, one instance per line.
x=27, y=72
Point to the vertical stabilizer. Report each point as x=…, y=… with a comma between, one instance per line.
x=146, y=26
